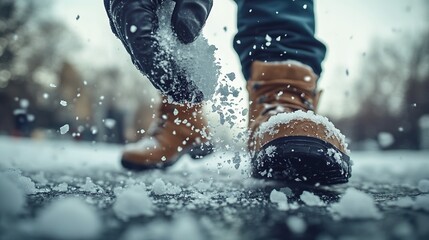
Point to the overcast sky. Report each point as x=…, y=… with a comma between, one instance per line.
x=346, y=26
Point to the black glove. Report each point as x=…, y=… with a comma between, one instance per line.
x=188, y=18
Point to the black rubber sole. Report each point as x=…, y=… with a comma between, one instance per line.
x=301, y=159
x=195, y=152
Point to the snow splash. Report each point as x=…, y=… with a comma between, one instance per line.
x=196, y=58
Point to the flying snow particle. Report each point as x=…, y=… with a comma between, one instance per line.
x=109, y=123
x=64, y=129
x=385, y=139
x=305, y=6
x=133, y=29
x=24, y=103
x=296, y=224
x=63, y=103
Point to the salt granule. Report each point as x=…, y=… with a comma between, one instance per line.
x=68, y=218
x=356, y=204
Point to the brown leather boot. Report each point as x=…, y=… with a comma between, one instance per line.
x=179, y=129
x=288, y=140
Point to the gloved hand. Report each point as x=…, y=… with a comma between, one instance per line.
x=135, y=23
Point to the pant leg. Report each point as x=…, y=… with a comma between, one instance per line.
x=290, y=25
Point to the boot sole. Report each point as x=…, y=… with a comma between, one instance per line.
x=195, y=152
x=301, y=159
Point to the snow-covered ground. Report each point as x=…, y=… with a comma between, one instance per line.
x=69, y=190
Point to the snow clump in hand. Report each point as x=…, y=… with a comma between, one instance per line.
x=197, y=59
x=356, y=204
x=68, y=218
x=132, y=202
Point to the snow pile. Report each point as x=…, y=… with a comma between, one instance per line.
x=296, y=224
x=68, y=218
x=132, y=202
x=279, y=198
x=196, y=58
x=12, y=198
x=310, y=199
x=62, y=187
x=421, y=202
x=423, y=185
x=356, y=205
x=285, y=118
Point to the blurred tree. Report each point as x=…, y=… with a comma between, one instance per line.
x=392, y=93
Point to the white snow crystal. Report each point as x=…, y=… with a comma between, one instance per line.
x=158, y=187
x=132, y=202
x=423, y=185
x=296, y=224
x=63, y=103
x=64, y=129
x=12, y=198
x=311, y=200
x=284, y=118
x=356, y=204
x=279, y=198
x=109, y=123
x=68, y=218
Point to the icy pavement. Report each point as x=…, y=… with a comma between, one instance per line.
x=66, y=190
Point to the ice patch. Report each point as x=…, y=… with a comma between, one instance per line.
x=356, y=204
x=284, y=118
x=296, y=224
x=132, y=202
x=12, y=197
x=68, y=218
x=311, y=200
x=279, y=198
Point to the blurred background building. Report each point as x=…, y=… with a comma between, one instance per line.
x=64, y=75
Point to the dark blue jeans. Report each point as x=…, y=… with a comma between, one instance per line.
x=289, y=24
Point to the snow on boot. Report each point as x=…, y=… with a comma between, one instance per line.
x=179, y=129
x=288, y=141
